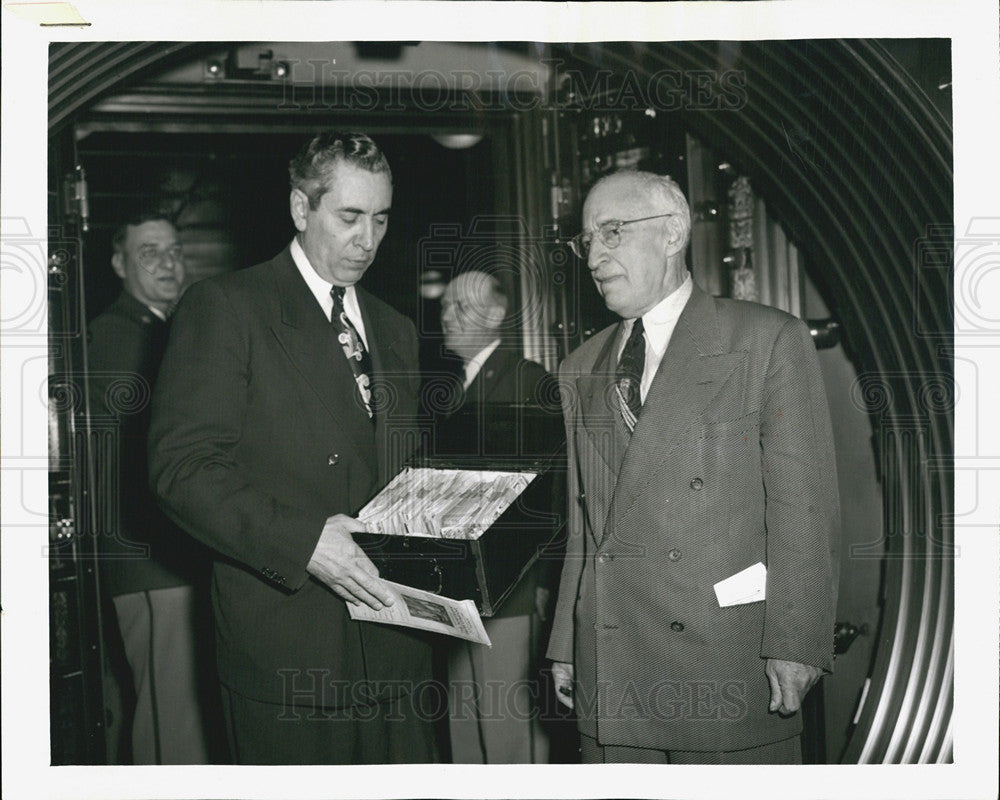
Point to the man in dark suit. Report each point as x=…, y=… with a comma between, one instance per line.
x=700, y=446
x=493, y=710
x=285, y=401
x=473, y=311
x=152, y=572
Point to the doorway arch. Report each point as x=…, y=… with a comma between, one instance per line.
x=864, y=189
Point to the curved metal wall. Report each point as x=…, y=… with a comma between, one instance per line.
x=856, y=162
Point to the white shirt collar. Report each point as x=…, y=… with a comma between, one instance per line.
x=157, y=312
x=660, y=320
x=474, y=364
x=658, y=325
x=320, y=289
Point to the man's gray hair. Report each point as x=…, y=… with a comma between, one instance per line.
x=662, y=189
x=483, y=288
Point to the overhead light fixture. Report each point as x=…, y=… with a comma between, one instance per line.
x=457, y=141
x=214, y=68
x=247, y=63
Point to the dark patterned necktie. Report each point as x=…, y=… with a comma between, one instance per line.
x=354, y=349
x=629, y=375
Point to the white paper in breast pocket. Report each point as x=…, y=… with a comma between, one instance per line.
x=746, y=586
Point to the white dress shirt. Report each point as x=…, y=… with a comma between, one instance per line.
x=658, y=324
x=321, y=291
x=474, y=364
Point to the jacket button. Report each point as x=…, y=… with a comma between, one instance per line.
x=676, y=626
x=674, y=555
x=604, y=558
x=697, y=483
x=332, y=459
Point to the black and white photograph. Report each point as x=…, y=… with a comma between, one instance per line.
x=720, y=277
x=427, y=609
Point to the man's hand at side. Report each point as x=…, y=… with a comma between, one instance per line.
x=790, y=681
x=562, y=677
x=344, y=567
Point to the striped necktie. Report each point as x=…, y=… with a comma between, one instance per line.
x=629, y=375
x=354, y=349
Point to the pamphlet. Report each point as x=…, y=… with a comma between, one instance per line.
x=415, y=608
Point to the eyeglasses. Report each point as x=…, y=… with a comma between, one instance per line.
x=610, y=233
x=150, y=257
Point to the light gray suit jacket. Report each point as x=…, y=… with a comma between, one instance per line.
x=731, y=463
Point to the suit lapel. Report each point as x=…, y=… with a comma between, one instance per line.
x=385, y=349
x=392, y=379
x=486, y=384
x=493, y=372
x=305, y=335
x=603, y=433
x=596, y=390
x=693, y=370
x=475, y=390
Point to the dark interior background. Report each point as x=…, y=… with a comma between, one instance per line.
x=229, y=193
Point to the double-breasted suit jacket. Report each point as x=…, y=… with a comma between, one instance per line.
x=731, y=463
x=258, y=436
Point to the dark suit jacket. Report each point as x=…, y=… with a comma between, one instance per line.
x=505, y=378
x=257, y=437
x=731, y=463
x=144, y=550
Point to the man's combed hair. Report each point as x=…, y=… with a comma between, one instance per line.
x=310, y=170
x=155, y=213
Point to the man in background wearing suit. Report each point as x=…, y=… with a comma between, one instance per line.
x=700, y=445
x=493, y=702
x=284, y=403
x=152, y=571
x=473, y=311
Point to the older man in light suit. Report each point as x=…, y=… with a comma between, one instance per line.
x=700, y=446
